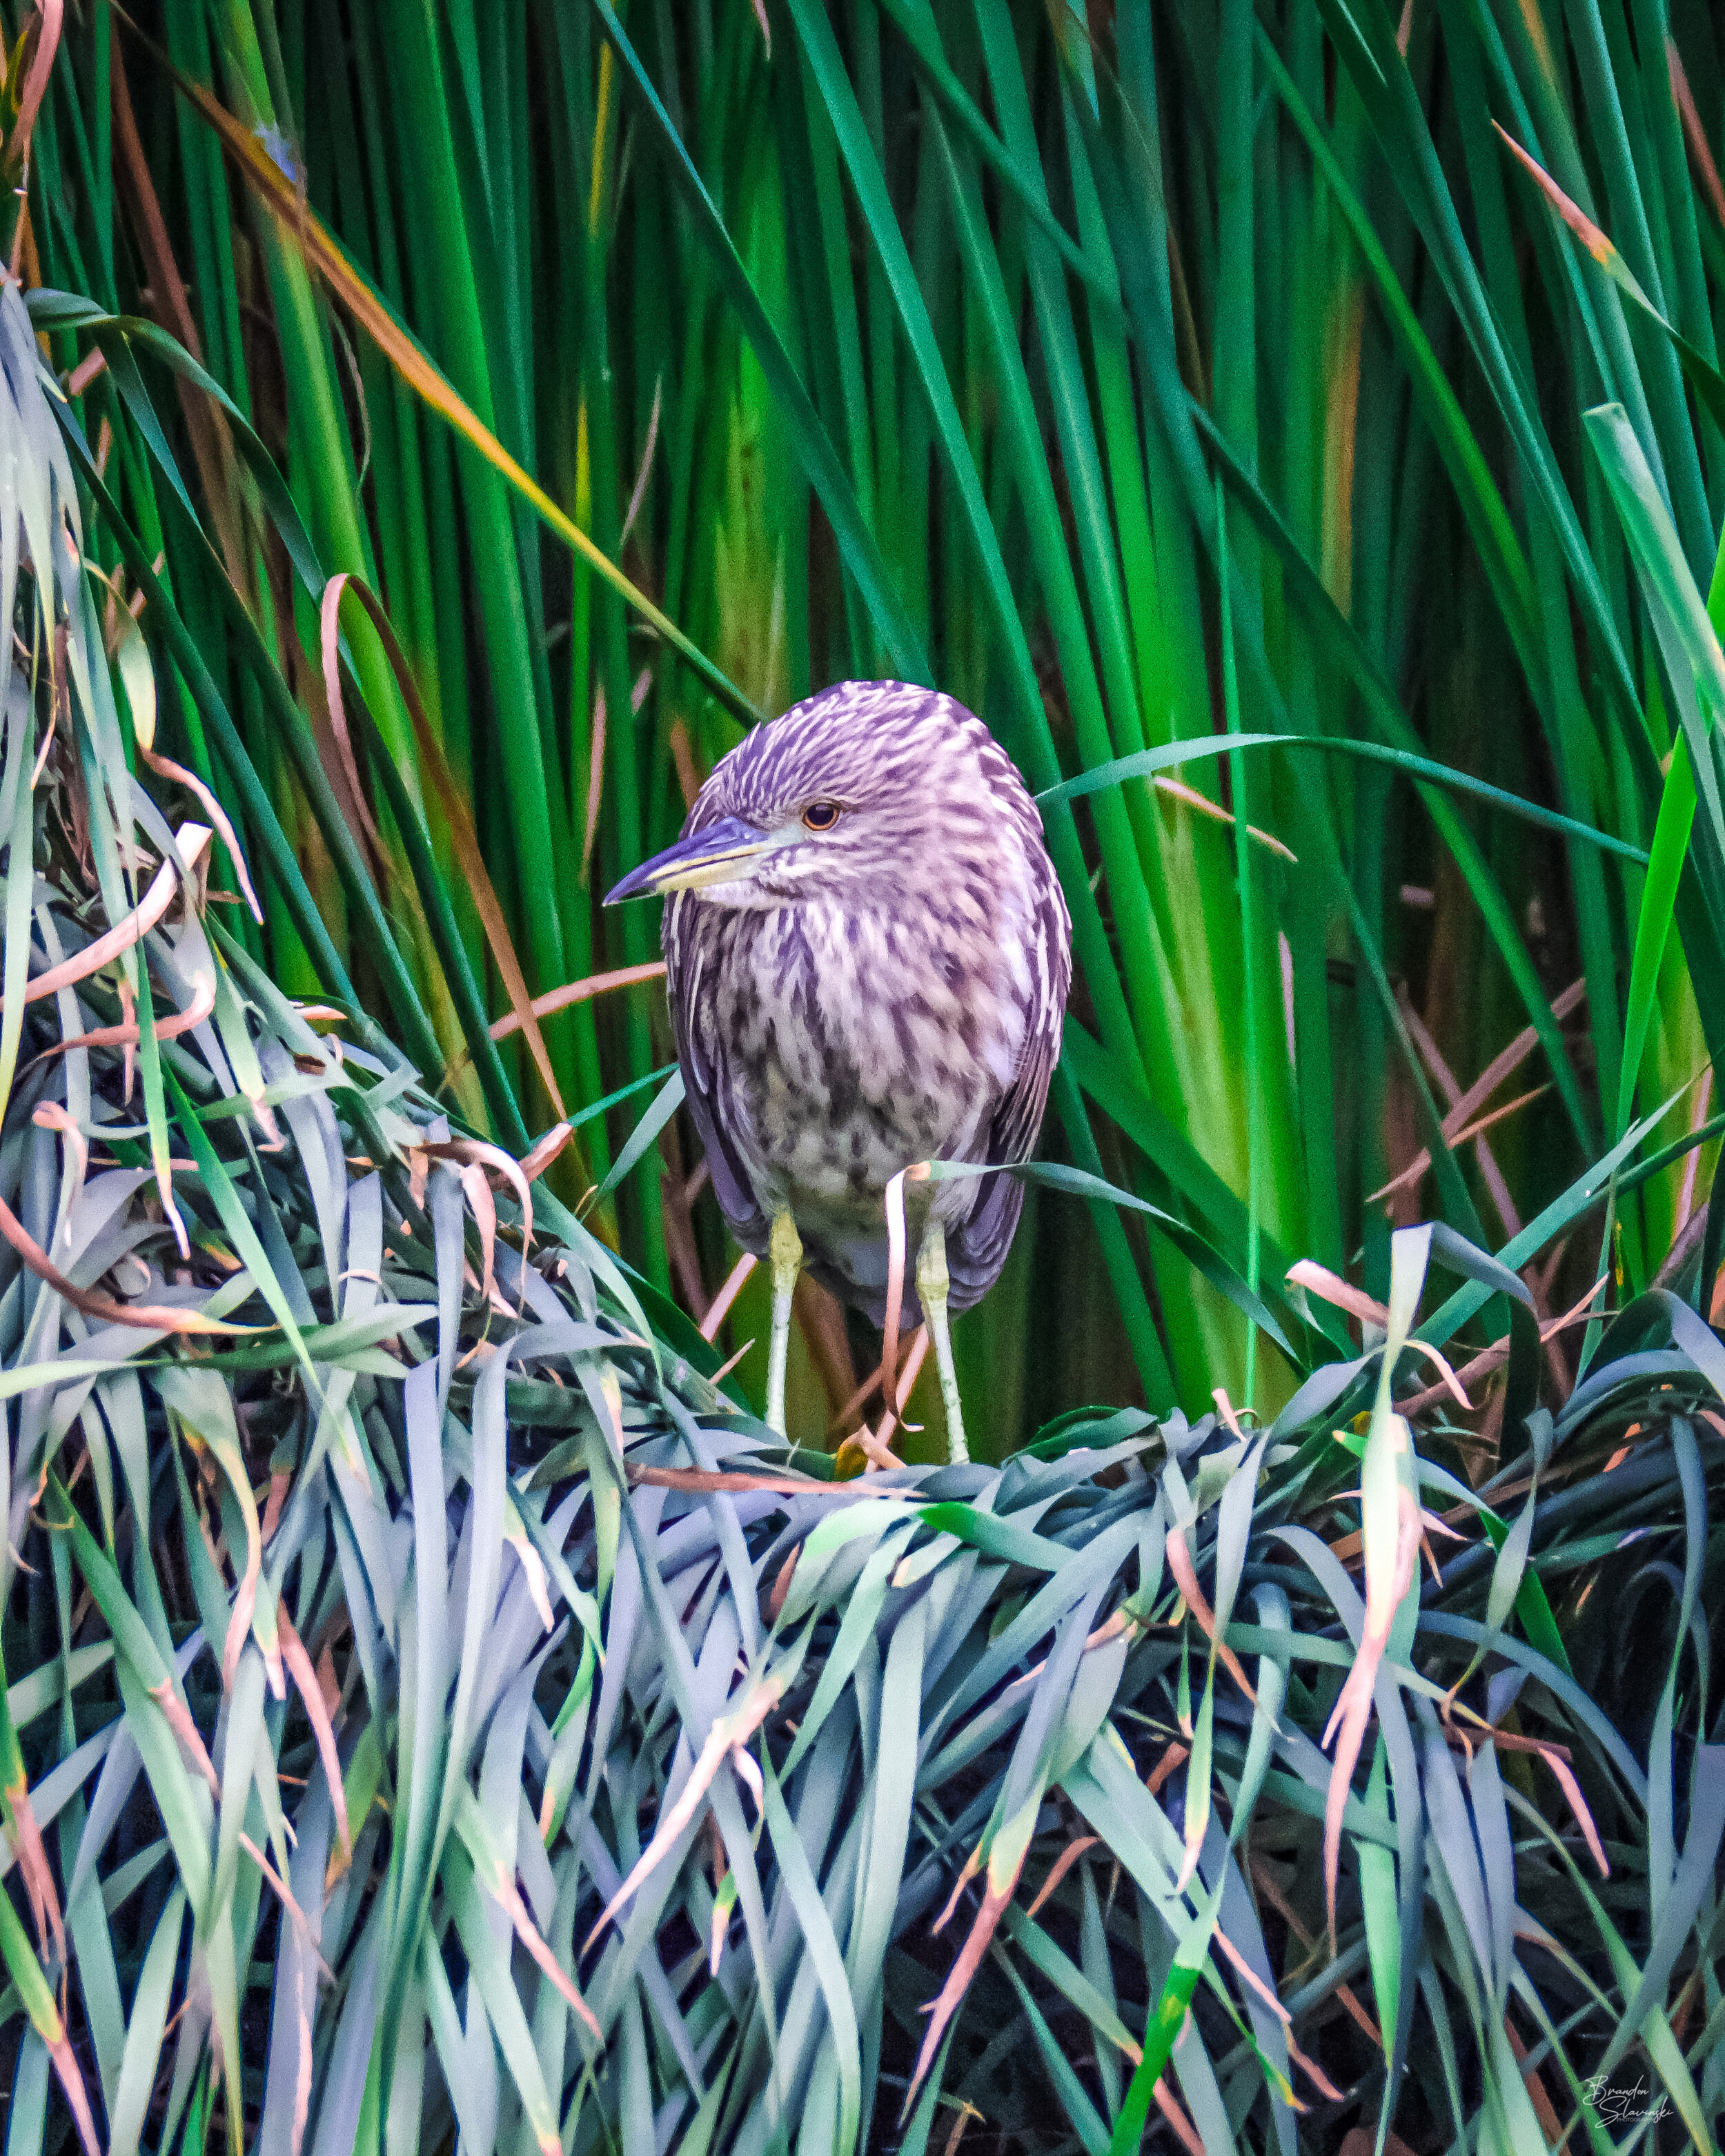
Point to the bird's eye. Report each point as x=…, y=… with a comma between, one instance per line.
x=821, y=815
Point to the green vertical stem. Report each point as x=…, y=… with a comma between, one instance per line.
x=441, y=245
x=1249, y=940
x=621, y=838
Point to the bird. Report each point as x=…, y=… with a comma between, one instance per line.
x=868, y=955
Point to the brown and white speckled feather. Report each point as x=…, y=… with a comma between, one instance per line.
x=889, y=991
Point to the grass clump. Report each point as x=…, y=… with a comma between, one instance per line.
x=436, y=1712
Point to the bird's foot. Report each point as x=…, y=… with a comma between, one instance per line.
x=785, y=1254
x=932, y=1288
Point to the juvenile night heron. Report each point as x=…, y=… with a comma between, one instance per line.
x=868, y=955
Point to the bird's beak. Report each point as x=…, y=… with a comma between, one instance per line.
x=715, y=854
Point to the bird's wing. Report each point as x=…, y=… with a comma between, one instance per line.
x=701, y=1052
x=977, y=1249
x=747, y=1223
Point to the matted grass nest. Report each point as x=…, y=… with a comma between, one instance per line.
x=434, y=1707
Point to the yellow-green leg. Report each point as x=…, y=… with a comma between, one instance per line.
x=785, y=1251
x=932, y=1286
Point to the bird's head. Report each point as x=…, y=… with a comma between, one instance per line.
x=854, y=795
